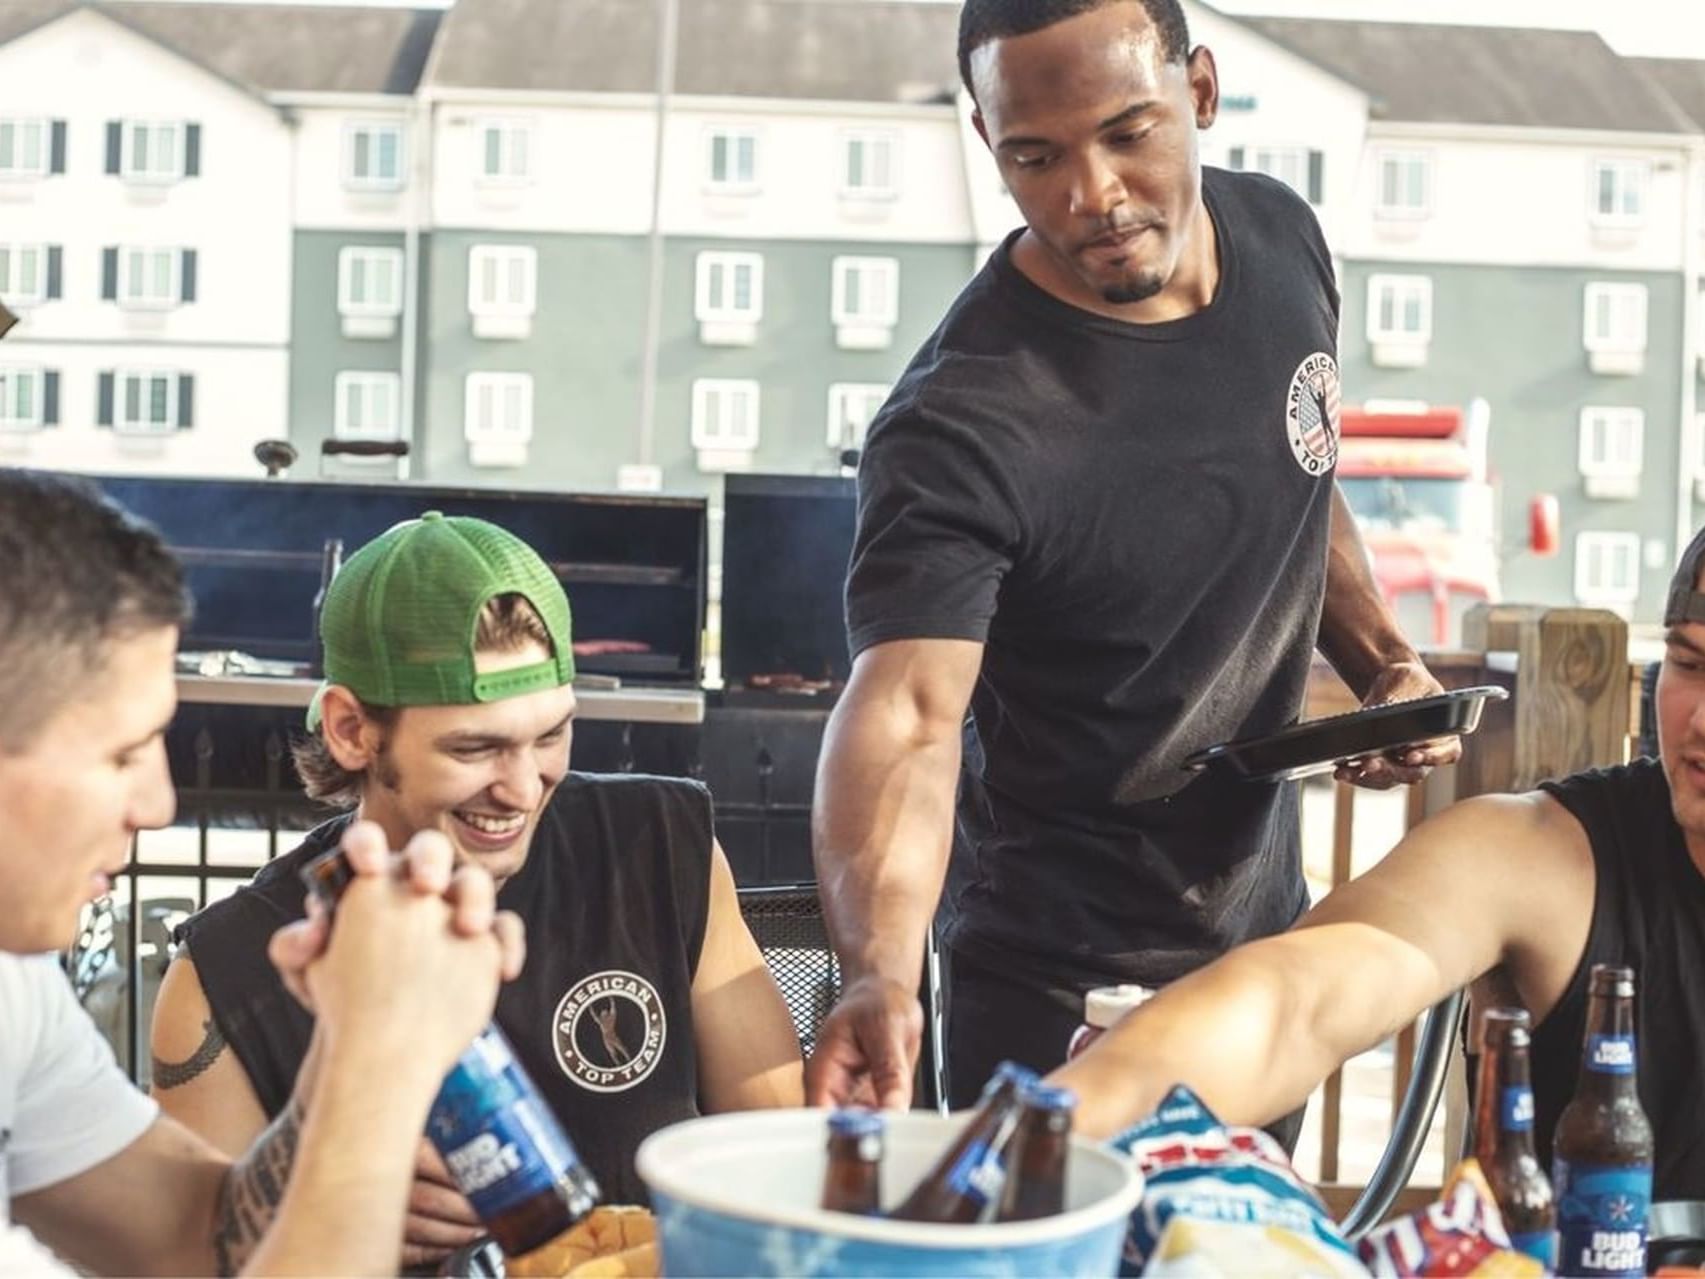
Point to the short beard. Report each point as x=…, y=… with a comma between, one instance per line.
x=1141, y=289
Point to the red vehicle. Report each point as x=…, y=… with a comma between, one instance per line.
x=1415, y=476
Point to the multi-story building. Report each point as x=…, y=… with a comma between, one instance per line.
x=592, y=244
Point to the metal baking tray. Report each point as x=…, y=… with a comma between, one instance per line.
x=1321, y=745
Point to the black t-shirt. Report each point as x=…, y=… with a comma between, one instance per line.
x=1649, y=913
x=615, y=895
x=1134, y=520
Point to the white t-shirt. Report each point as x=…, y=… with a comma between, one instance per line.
x=65, y=1106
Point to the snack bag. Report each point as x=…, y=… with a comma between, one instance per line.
x=1460, y=1233
x=1220, y=1201
x=609, y=1231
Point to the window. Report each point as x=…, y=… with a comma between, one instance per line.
x=502, y=289
x=1400, y=308
x=867, y=165
x=1615, y=327
x=369, y=290
x=22, y=396
x=499, y=408
x=1619, y=191
x=1405, y=185
x=153, y=151
x=147, y=403
x=1297, y=167
x=864, y=301
x=725, y=415
x=728, y=297
x=505, y=150
x=1610, y=450
x=367, y=406
x=28, y=147
x=150, y=278
x=373, y=156
x=23, y=274
x=733, y=160
x=1607, y=568
x=851, y=407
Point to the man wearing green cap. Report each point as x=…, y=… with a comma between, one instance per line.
x=447, y=706
x=1520, y=895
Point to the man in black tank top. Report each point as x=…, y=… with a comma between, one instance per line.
x=448, y=706
x=1520, y=893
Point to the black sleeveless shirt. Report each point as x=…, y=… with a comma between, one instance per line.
x=1649, y=913
x=615, y=896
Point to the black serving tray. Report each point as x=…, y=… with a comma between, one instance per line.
x=1321, y=745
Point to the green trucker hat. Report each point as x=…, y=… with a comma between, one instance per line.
x=398, y=622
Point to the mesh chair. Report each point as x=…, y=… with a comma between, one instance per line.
x=787, y=923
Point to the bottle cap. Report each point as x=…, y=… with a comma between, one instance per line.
x=1010, y=1072
x=327, y=876
x=1104, y=1005
x=855, y=1122
x=1041, y=1096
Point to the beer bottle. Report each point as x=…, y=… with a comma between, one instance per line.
x=1602, y=1152
x=852, y=1182
x=1503, y=1136
x=1036, y=1159
x=969, y=1175
x=501, y=1143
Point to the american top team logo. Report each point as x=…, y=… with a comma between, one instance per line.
x=609, y=1031
x=1311, y=413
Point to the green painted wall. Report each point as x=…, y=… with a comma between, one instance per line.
x=318, y=349
x=1513, y=336
x=585, y=354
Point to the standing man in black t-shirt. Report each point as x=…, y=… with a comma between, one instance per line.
x=1098, y=512
x=1519, y=894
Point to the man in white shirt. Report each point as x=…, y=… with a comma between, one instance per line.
x=90, y=607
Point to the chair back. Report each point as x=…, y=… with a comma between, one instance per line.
x=786, y=920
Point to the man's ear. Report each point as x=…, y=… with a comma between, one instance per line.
x=981, y=128
x=350, y=736
x=1204, y=85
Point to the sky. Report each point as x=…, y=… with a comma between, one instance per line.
x=1673, y=28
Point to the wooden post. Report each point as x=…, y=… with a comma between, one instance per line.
x=1571, y=695
x=1332, y=1098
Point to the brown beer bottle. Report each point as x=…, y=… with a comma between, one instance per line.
x=852, y=1182
x=1503, y=1136
x=503, y=1146
x=1602, y=1153
x=969, y=1175
x=1036, y=1159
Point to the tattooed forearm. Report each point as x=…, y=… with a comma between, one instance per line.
x=253, y=1189
x=174, y=1074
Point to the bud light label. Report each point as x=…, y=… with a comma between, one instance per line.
x=1601, y=1218
x=498, y=1141
x=1610, y=1054
x=1516, y=1109
x=1541, y=1245
x=979, y=1174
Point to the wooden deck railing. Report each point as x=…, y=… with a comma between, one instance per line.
x=1574, y=699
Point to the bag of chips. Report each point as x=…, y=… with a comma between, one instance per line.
x=1222, y=1201
x=1460, y=1233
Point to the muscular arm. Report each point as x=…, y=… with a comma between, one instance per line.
x=1502, y=880
x=197, y=1079
x=748, y=1051
x=884, y=805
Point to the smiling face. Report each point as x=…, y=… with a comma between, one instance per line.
x=1680, y=702
x=1094, y=132
x=92, y=775
x=480, y=774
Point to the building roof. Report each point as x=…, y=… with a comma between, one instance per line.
x=267, y=48
x=1683, y=82
x=827, y=50
x=1520, y=77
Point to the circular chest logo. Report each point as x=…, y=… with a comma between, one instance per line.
x=1311, y=413
x=609, y=1031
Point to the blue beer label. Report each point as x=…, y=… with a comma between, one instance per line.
x=1601, y=1218
x=1515, y=1109
x=1610, y=1054
x=1541, y=1245
x=499, y=1142
x=977, y=1174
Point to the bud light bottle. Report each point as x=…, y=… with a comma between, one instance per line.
x=502, y=1145
x=1602, y=1152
